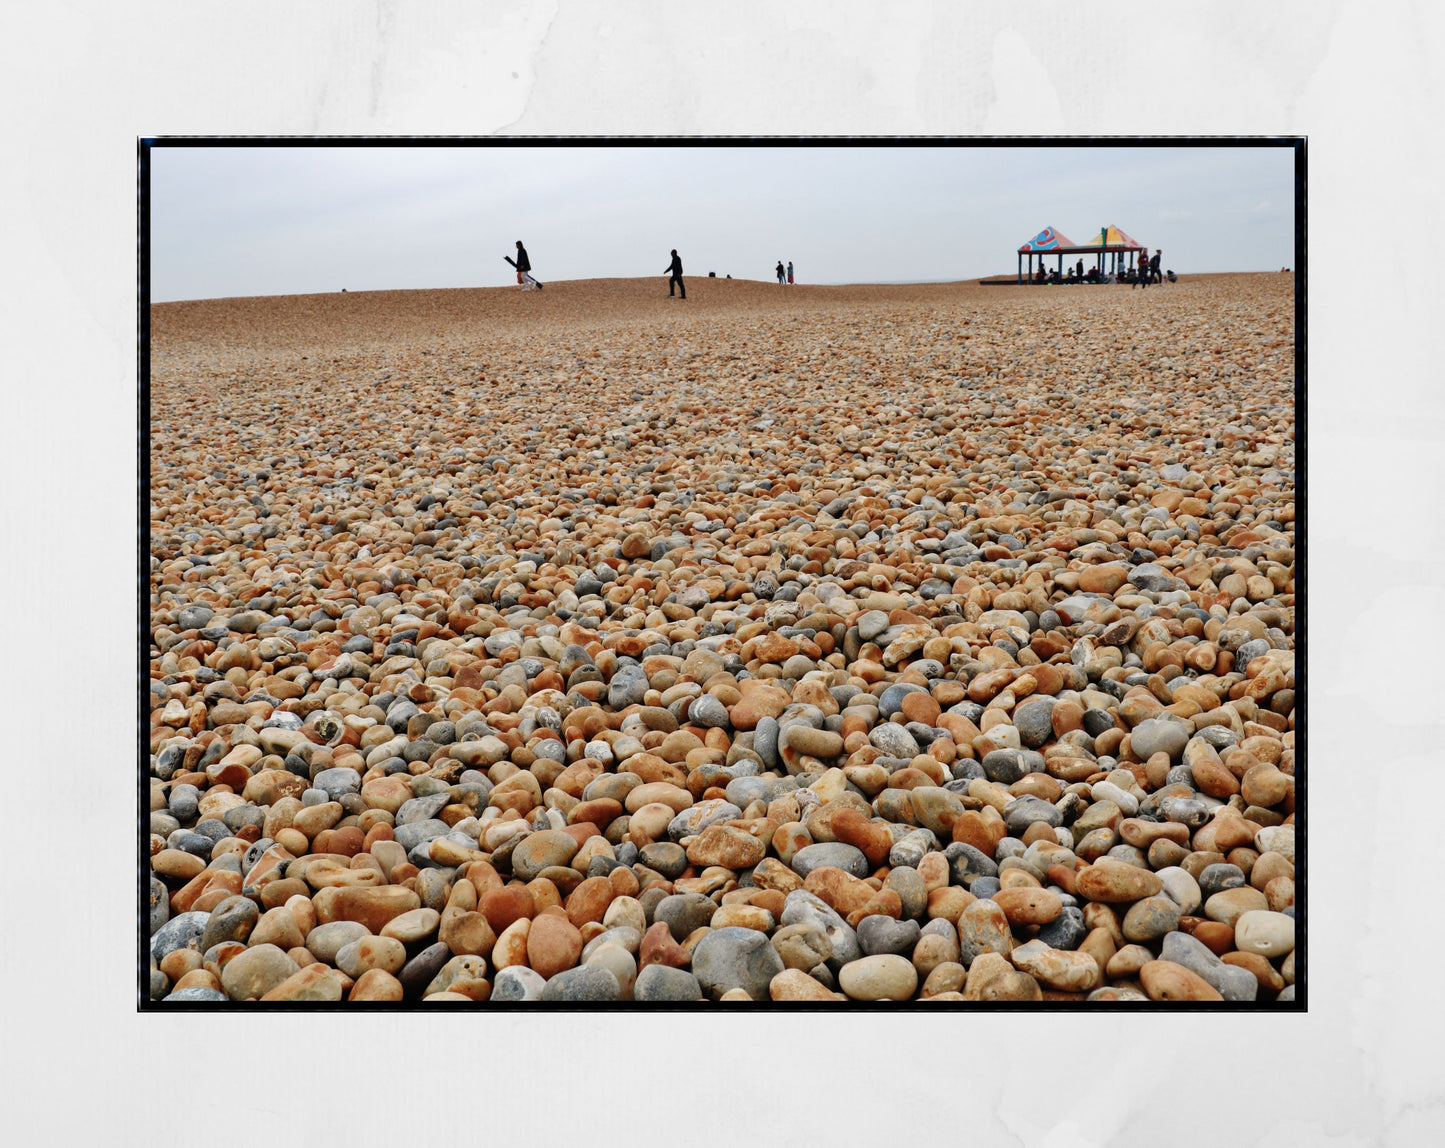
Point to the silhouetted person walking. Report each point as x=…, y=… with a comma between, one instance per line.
x=1154, y=266
x=781, y=272
x=524, y=269
x=675, y=270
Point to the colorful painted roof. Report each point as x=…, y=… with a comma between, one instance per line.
x=1046, y=240
x=1109, y=237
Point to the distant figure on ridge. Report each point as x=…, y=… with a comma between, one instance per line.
x=790, y=272
x=675, y=270
x=1143, y=278
x=524, y=269
x=781, y=272
x=1154, y=267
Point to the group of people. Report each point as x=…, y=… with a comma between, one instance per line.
x=675, y=287
x=1148, y=272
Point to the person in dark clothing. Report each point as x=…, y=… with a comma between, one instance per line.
x=675, y=270
x=524, y=269
x=1143, y=278
x=1154, y=266
x=1079, y=269
x=781, y=272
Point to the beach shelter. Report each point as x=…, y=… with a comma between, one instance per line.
x=1110, y=240
x=1047, y=242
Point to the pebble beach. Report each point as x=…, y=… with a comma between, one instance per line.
x=885, y=643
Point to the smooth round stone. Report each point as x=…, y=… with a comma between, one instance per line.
x=160, y=905
x=616, y=959
x=735, y=957
x=197, y=844
x=231, y=920
x=1166, y=981
x=413, y=925
x=1220, y=876
x=1115, y=883
x=1027, y=905
x=1264, y=932
x=336, y=783
x=663, y=984
x=1232, y=904
x=883, y=977
x=1149, y=919
x=1181, y=888
x=418, y=809
x=517, y=983
x=966, y=864
x=1066, y=931
x=743, y=791
x=421, y=832
x=833, y=854
x=423, y=968
x=983, y=927
x=708, y=712
x=912, y=892
x=325, y=941
x=693, y=820
x=1024, y=811
x=1006, y=766
x=195, y=993
x=1034, y=721
x=1188, y=811
x=1125, y=801
x=820, y=743
x=893, y=740
x=802, y=906
x=583, y=983
x=1159, y=735
x=890, y=702
x=185, y=803
x=880, y=934
x=182, y=931
x=538, y=851
x=251, y=974
x=162, y=824
x=1274, y=839
x=802, y=946
x=1182, y=949
x=1062, y=970
x=765, y=742
x=667, y=857
x=911, y=848
x=683, y=913
x=360, y=956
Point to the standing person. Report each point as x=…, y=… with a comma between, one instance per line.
x=1142, y=280
x=524, y=265
x=790, y=272
x=781, y=272
x=1154, y=266
x=675, y=270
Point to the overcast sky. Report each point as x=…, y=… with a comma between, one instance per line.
x=229, y=221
